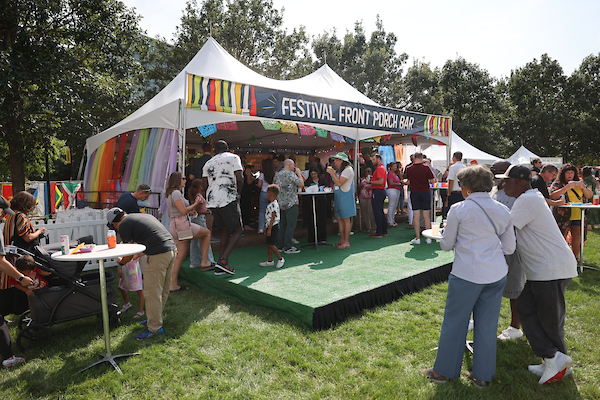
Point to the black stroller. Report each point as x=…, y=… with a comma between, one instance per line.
x=69, y=295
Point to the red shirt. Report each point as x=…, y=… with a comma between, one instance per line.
x=419, y=175
x=39, y=282
x=380, y=172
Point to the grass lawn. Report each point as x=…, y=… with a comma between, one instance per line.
x=216, y=348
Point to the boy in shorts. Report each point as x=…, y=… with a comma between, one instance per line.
x=272, y=225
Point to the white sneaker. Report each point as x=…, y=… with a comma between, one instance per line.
x=471, y=325
x=292, y=250
x=335, y=220
x=556, y=368
x=428, y=241
x=280, y=263
x=267, y=263
x=539, y=369
x=261, y=231
x=511, y=333
x=294, y=241
x=415, y=241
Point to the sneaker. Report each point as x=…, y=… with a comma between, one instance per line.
x=261, y=231
x=292, y=250
x=471, y=325
x=428, y=241
x=143, y=322
x=221, y=269
x=267, y=263
x=148, y=333
x=556, y=368
x=539, y=369
x=511, y=333
x=280, y=263
x=335, y=220
x=415, y=241
x=294, y=241
x=12, y=362
x=375, y=235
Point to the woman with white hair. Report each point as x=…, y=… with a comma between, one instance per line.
x=480, y=232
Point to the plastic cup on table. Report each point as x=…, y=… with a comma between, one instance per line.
x=435, y=228
x=596, y=200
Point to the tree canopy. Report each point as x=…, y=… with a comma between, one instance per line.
x=70, y=69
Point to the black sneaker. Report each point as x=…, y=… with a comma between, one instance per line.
x=223, y=269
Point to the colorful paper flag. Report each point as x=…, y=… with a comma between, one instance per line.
x=337, y=137
x=270, y=125
x=207, y=130
x=321, y=132
x=227, y=126
x=306, y=130
x=288, y=127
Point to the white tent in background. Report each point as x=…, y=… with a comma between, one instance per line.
x=438, y=153
x=522, y=156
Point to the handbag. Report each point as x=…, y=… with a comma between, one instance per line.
x=563, y=214
x=183, y=226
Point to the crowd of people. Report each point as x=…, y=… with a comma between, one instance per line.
x=506, y=240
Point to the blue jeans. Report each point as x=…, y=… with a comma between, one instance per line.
x=263, y=201
x=377, y=203
x=195, y=247
x=287, y=224
x=484, y=301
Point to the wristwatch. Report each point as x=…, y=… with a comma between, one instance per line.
x=19, y=279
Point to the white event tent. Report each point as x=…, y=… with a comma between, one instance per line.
x=522, y=156
x=214, y=90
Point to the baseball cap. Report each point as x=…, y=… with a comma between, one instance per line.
x=516, y=171
x=342, y=157
x=500, y=166
x=114, y=214
x=5, y=206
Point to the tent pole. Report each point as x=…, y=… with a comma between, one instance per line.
x=81, y=164
x=182, y=114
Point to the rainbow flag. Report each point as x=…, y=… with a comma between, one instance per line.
x=437, y=126
x=219, y=95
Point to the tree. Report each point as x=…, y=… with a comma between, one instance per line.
x=64, y=67
x=583, y=92
x=541, y=119
x=372, y=66
x=423, y=88
x=250, y=30
x=469, y=96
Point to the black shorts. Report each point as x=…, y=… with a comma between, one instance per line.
x=274, y=238
x=575, y=222
x=229, y=217
x=420, y=200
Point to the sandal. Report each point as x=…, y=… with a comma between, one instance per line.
x=207, y=267
x=125, y=307
x=13, y=361
x=138, y=314
x=343, y=246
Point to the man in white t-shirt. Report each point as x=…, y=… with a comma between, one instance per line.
x=454, y=192
x=223, y=181
x=549, y=266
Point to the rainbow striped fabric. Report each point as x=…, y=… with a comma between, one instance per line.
x=437, y=126
x=219, y=95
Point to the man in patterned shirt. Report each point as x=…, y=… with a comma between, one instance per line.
x=289, y=179
x=223, y=179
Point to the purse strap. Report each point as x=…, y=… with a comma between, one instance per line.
x=573, y=190
x=486, y=214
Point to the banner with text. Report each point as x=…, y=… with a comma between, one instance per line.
x=236, y=98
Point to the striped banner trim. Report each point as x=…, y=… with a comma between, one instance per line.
x=219, y=95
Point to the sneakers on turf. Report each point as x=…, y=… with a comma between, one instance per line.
x=428, y=241
x=223, y=268
x=415, y=241
x=511, y=333
x=555, y=368
x=280, y=263
x=292, y=250
x=539, y=369
x=148, y=333
x=267, y=263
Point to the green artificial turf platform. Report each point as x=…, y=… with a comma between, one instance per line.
x=320, y=288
